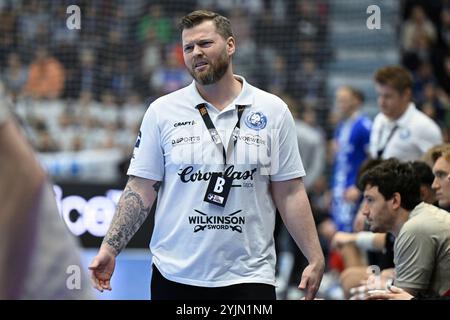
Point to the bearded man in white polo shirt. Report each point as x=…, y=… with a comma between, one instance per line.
x=220, y=155
x=400, y=130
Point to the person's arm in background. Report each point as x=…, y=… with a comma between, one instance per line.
x=315, y=165
x=365, y=240
x=292, y=202
x=133, y=208
x=21, y=179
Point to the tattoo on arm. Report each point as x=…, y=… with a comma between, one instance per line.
x=130, y=215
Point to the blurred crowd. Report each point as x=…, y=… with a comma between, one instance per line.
x=88, y=88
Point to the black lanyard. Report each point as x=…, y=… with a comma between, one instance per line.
x=202, y=108
x=381, y=150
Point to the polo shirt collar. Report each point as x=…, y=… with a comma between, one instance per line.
x=406, y=116
x=245, y=97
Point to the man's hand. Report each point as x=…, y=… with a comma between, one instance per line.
x=102, y=268
x=311, y=278
x=394, y=293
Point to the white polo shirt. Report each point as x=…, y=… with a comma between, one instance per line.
x=198, y=243
x=416, y=133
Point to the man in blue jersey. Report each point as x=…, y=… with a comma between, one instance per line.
x=351, y=141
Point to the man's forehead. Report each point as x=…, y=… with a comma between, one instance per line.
x=205, y=29
x=385, y=89
x=441, y=165
x=372, y=190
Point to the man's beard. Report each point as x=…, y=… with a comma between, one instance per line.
x=214, y=73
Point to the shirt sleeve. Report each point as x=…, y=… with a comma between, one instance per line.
x=414, y=259
x=148, y=156
x=428, y=137
x=286, y=163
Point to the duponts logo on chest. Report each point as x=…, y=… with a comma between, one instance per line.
x=204, y=222
x=185, y=140
x=256, y=120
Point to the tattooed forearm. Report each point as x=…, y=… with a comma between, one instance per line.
x=130, y=215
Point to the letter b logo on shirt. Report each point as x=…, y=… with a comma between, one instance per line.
x=218, y=188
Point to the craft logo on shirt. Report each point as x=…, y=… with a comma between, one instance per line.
x=184, y=123
x=256, y=120
x=204, y=222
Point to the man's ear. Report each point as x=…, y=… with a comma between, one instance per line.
x=231, y=46
x=396, y=201
x=407, y=95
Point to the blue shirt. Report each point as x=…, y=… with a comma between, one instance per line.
x=352, y=137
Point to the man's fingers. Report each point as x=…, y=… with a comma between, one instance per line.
x=379, y=296
x=95, y=282
x=358, y=296
x=395, y=289
x=108, y=285
x=357, y=290
x=303, y=283
x=105, y=284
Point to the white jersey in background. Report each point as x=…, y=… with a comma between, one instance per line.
x=412, y=135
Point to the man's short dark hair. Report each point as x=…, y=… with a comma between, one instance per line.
x=365, y=166
x=393, y=176
x=423, y=173
x=223, y=24
x=396, y=77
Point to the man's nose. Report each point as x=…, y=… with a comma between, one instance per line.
x=435, y=184
x=365, y=209
x=197, y=51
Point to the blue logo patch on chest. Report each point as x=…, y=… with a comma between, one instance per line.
x=404, y=134
x=256, y=120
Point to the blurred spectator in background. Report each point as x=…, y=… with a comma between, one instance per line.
x=351, y=141
x=88, y=75
x=417, y=24
x=400, y=130
x=170, y=76
x=157, y=22
x=46, y=76
x=15, y=76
